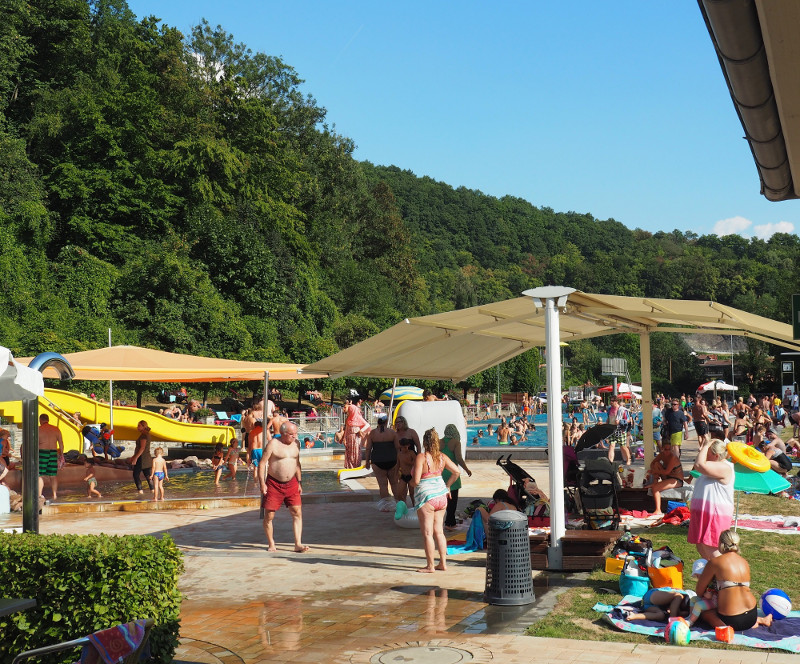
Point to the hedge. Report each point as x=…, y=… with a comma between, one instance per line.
x=85, y=583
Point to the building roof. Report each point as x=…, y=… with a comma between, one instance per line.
x=758, y=49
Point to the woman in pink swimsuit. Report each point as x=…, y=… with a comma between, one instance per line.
x=430, y=498
x=355, y=426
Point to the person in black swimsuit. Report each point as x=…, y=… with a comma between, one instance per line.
x=381, y=455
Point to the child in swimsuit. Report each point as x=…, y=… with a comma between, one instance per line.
x=160, y=474
x=232, y=460
x=91, y=480
x=216, y=462
x=405, y=467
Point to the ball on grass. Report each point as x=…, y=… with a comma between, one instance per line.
x=776, y=603
x=678, y=632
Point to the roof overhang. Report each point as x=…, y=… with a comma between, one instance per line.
x=758, y=49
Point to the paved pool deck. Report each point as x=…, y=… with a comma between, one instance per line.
x=356, y=597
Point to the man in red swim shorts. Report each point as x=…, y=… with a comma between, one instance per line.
x=279, y=476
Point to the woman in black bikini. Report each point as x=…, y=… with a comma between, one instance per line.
x=404, y=433
x=405, y=469
x=734, y=605
x=381, y=455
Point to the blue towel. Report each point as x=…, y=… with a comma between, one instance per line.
x=475, y=538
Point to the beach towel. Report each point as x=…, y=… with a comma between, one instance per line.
x=114, y=644
x=782, y=634
x=476, y=536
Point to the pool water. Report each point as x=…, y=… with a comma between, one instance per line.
x=197, y=483
x=537, y=438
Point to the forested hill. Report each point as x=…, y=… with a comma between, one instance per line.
x=181, y=190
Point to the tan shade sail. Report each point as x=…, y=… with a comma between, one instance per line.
x=458, y=344
x=135, y=363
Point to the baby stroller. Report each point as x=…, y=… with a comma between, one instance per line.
x=518, y=476
x=597, y=489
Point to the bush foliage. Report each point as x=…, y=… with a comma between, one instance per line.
x=83, y=584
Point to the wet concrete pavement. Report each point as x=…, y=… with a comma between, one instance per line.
x=355, y=597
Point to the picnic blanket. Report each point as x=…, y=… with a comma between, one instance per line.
x=782, y=634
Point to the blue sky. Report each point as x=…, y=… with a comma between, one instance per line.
x=617, y=109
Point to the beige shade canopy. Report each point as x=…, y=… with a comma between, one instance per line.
x=145, y=364
x=458, y=344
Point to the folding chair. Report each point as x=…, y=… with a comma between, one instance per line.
x=89, y=642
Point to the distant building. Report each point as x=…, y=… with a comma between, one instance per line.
x=709, y=348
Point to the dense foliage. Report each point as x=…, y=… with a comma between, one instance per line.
x=83, y=584
x=181, y=190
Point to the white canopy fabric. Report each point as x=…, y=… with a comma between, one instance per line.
x=458, y=344
x=17, y=381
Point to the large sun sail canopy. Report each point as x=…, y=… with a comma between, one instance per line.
x=457, y=344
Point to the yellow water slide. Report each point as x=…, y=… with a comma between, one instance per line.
x=58, y=403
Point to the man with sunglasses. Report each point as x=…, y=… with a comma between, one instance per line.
x=677, y=425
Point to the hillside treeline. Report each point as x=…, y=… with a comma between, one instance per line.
x=182, y=191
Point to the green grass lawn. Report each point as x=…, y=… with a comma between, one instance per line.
x=773, y=559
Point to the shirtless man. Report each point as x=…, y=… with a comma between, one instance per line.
x=503, y=432
x=255, y=443
x=700, y=417
x=279, y=476
x=51, y=448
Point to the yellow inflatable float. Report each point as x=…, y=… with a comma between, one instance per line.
x=748, y=456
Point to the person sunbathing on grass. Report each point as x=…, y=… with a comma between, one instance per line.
x=662, y=603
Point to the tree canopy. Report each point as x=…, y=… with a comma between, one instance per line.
x=183, y=191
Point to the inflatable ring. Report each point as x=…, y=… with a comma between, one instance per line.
x=748, y=457
x=404, y=517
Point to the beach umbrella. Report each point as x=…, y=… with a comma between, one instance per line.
x=751, y=481
x=717, y=386
x=621, y=387
x=594, y=435
x=402, y=392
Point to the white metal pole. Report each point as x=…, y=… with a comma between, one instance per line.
x=733, y=376
x=647, y=398
x=553, y=296
x=554, y=435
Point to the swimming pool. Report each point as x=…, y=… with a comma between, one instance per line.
x=197, y=483
x=537, y=438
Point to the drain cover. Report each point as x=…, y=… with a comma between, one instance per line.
x=422, y=655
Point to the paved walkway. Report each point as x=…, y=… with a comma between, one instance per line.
x=356, y=597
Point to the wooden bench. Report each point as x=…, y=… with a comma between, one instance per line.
x=582, y=550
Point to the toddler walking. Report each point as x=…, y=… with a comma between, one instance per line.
x=160, y=474
x=91, y=480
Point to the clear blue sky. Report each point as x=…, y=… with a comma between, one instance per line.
x=618, y=109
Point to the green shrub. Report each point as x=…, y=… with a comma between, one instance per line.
x=86, y=583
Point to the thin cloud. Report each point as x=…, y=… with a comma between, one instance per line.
x=731, y=226
x=766, y=231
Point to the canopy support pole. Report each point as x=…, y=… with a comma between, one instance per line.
x=111, y=398
x=647, y=398
x=552, y=296
x=391, y=403
x=265, y=408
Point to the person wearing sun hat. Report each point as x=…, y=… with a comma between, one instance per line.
x=451, y=448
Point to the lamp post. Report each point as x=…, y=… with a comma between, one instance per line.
x=553, y=298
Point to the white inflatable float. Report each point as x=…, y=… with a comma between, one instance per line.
x=404, y=517
x=353, y=473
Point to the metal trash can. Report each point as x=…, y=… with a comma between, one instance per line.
x=509, y=580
